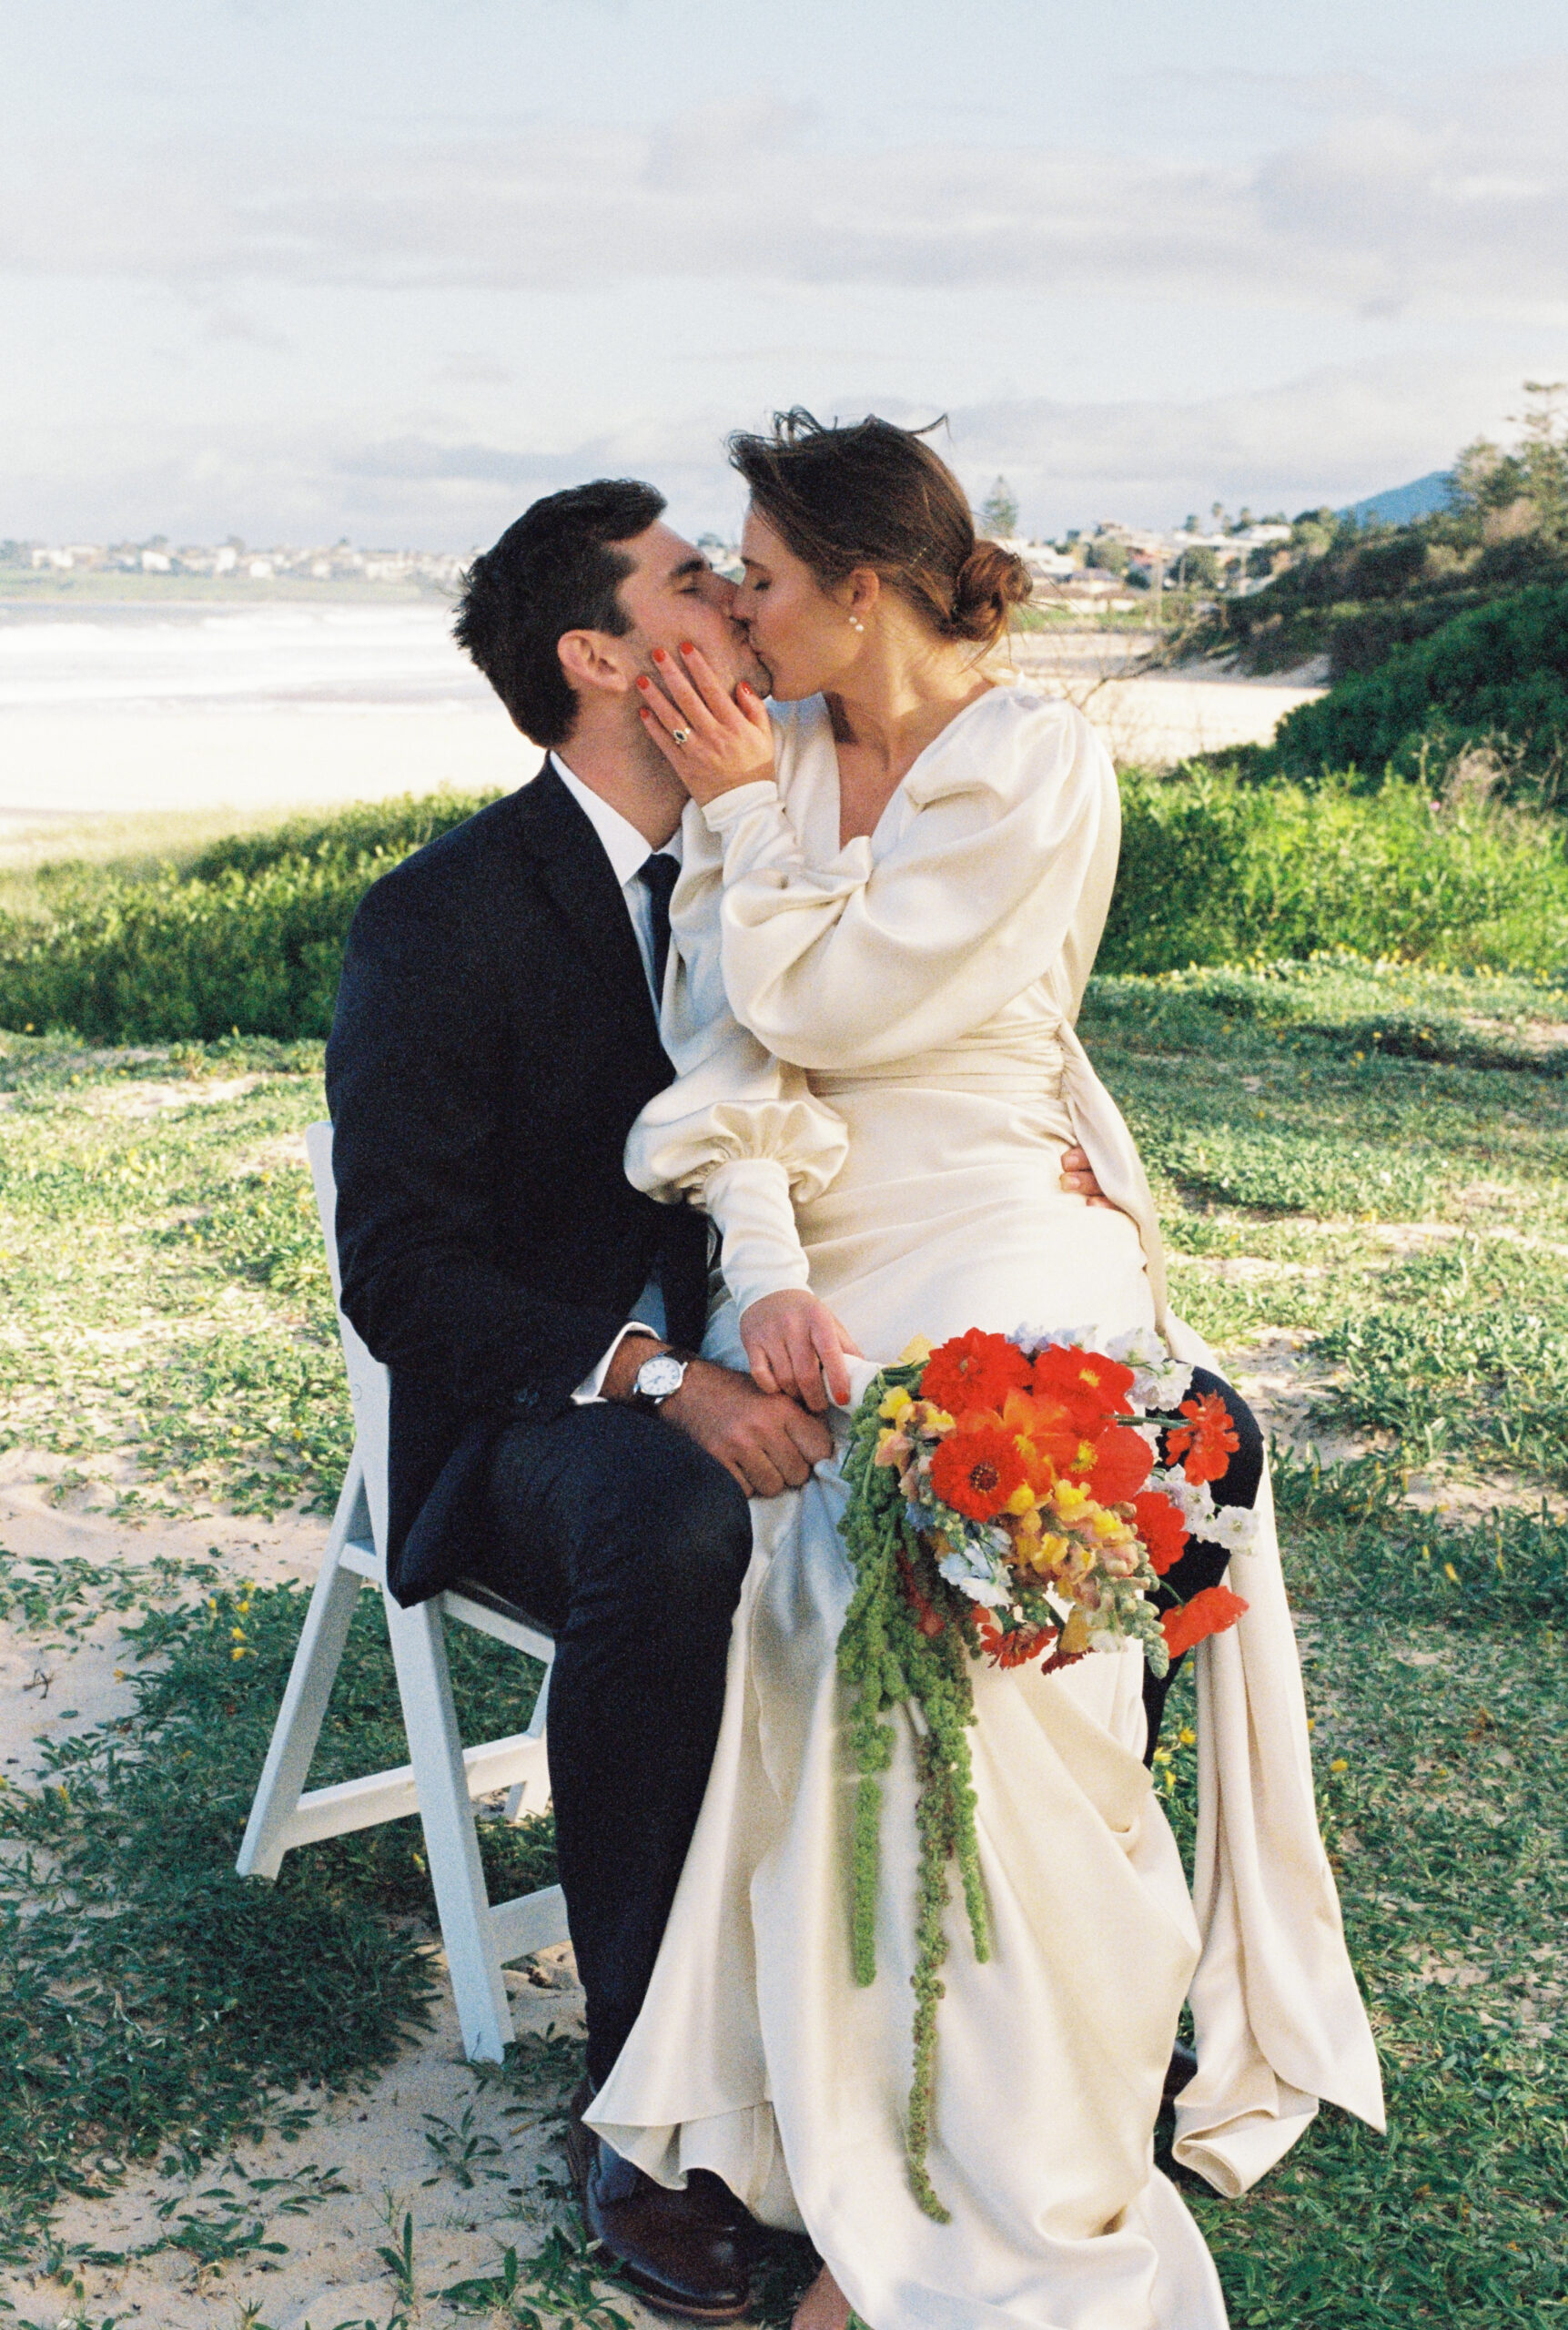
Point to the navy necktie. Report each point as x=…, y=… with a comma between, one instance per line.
x=660, y=875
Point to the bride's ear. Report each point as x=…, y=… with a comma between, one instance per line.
x=589, y=659
x=864, y=588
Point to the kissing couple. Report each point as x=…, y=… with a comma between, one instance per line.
x=673, y=1094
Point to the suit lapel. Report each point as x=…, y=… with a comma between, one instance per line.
x=582, y=884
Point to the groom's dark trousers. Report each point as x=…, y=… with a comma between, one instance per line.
x=494, y=1039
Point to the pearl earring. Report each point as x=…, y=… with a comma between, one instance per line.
x=855, y=624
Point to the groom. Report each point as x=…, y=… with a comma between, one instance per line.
x=551, y=1431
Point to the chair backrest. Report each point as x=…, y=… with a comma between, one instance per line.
x=369, y=1385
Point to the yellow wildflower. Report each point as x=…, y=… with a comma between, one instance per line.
x=896, y=1405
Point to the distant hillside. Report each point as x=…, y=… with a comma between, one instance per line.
x=1400, y=504
x=1354, y=585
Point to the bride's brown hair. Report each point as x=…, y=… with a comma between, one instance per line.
x=869, y=493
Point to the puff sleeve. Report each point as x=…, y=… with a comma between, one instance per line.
x=739, y=1131
x=999, y=871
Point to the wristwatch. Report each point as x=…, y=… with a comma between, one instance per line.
x=658, y=1380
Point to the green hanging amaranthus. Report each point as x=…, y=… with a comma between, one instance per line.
x=889, y=1659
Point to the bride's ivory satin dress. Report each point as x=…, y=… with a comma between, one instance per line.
x=888, y=1122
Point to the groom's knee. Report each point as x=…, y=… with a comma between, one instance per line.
x=694, y=1535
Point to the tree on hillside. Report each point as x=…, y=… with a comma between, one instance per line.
x=999, y=512
x=1505, y=494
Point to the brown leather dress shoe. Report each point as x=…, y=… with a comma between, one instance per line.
x=684, y=2253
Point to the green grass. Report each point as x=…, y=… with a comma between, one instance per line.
x=166, y=1336
x=246, y=933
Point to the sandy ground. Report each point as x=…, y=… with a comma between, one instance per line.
x=1161, y=717
x=374, y=2146
x=69, y=765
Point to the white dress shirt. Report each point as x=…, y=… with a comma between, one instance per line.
x=628, y=852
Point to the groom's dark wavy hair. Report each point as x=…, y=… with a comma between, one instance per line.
x=556, y=570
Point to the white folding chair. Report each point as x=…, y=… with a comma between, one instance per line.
x=443, y=1777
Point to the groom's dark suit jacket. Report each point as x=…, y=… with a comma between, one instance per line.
x=493, y=1041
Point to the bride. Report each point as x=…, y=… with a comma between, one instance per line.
x=893, y=889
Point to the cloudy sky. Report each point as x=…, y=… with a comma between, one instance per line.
x=389, y=268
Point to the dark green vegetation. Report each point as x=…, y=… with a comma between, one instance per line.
x=1215, y=869
x=248, y=936
x=1356, y=593
x=1494, y=680
x=1368, y=1162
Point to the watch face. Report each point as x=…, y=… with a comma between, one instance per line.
x=657, y=1378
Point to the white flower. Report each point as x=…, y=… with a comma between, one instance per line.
x=1234, y=1527
x=978, y=1586
x=1034, y=1340
x=1158, y=1380
x=1193, y=1499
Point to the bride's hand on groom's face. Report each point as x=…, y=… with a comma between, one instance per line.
x=796, y=1346
x=713, y=740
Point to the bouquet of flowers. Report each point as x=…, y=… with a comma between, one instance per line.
x=1012, y=1498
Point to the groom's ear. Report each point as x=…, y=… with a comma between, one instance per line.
x=593, y=659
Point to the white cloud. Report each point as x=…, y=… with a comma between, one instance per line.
x=1443, y=201
x=1333, y=436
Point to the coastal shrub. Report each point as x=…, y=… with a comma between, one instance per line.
x=1497, y=676
x=1216, y=870
x=250, y=937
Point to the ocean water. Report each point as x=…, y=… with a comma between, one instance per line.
x=255, y=659
x=118, y=711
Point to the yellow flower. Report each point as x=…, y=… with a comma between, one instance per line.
x=236, y=1634
x=1049, y=1555
x=1108, y=1525
x=915, y=1351
x=1076, y=1633
x=1450, y=1572
x=896, y=1405
x=1069, y=1502
x=1187, y=1737
x=1021, y=1500
x=1339, y=1764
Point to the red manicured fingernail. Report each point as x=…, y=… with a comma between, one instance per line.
x=643, y=713
x=644, y=680
x=747, y=688
x=687, y=648
x=659, y=656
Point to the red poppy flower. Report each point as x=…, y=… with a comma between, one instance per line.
x=973, y=1371
x=977, y=1472
x=1207, y=1444
x=1208, y=1613
x=1092, y=1385
x=1014, y=1650
x=1123, y=1461
x=1161, y=1527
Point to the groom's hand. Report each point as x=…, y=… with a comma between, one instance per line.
x=763, y=1441
x=1079, y=1178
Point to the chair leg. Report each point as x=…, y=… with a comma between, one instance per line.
x=309, y=1687
x=451, y=1842
x=531, y=1793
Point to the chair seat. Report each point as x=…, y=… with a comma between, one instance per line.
x=489, y=1597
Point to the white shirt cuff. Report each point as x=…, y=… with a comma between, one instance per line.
x=591, y=1387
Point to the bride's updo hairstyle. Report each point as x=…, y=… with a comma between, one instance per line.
x=872, y=494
